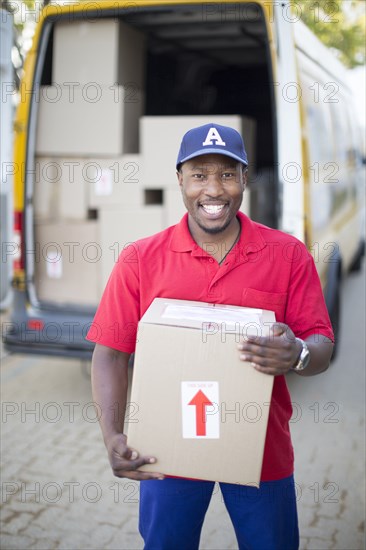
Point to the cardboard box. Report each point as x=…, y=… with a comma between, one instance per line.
x=161, y=136
x=174, y=208
x=73, y=191
x=88, y=122
x=68, y=259
x=120, y=226
x=202, y=412
x=114, y=182
x=45, y=192
x=59, y=190
x=104, y=51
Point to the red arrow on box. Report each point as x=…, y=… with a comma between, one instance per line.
x=200, y=401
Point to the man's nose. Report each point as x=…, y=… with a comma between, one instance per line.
x=214, y=185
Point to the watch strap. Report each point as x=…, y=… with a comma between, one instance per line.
x=304, y=357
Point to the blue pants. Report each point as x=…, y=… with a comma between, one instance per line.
x=172, y=513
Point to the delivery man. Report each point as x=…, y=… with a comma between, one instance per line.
x=214, y=254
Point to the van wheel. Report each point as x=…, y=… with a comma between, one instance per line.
x=335, y=317
x=357, y=262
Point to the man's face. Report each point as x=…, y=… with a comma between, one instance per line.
x=212, y=188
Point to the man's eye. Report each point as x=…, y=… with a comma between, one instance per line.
x=198, y=176
x=228, y=175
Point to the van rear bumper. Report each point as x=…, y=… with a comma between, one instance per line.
x=48, y=331
x=13, y=345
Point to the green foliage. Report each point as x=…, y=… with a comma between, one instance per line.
x=21, y=10
x=339, y=24
x=25, y=14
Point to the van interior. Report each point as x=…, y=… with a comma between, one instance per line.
x=200, y=59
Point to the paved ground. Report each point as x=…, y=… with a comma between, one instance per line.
x=58, y=492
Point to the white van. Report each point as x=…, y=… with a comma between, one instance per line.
x=109, y=90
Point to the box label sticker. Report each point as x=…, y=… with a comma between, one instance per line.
x=200, y=410
x=104, y=184
x=54, y=264
x=215, y=318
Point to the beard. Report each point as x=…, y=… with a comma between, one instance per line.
x=213, y=230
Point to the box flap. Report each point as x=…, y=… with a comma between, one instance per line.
x=200, y=315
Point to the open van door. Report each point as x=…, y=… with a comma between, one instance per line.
x=288, y=94
x=6, y=149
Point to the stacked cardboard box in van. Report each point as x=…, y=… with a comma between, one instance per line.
x=105, y=174
x=59, y=194
x=105, y=52
x=121, y=227
x=86, y=153
x=87, y=121
x=67, y=262
x=113, y=182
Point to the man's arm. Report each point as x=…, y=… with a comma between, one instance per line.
x=109, y=385
x=278, y=353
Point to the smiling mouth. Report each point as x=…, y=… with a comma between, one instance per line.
x=213, y=209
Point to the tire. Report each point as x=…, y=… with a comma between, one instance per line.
x=357, y=261
x=335, y=318
x=333, y=300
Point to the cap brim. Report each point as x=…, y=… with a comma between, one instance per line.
x=215, y=151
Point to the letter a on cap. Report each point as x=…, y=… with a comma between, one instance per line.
x=213, y=135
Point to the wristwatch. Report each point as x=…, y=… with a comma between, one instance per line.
x=304, y=357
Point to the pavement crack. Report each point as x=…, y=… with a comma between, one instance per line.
x=334, y=538
x=342, y=506
x=314, y=522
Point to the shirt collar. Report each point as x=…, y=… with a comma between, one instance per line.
x=181, y=239
x=251, y=239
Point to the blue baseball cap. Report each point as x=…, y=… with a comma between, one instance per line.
x=212, y=138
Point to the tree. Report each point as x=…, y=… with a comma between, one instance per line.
x=25, y=14
x=339, y=24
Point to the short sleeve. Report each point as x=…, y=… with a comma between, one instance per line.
x=306, y=311
x=117, y=316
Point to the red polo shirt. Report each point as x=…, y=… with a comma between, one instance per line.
x=266, y=269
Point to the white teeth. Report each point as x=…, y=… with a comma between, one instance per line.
x=213, y=208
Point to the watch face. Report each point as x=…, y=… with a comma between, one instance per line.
x=304, y=358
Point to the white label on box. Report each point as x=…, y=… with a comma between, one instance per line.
x=200, y=410
x=54, y=264
x=225, y=317
x=104, y=184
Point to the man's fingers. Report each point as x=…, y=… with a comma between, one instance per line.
x=141, y=462
x=130, y=454
x=278, y=329
x=259, y=360
x=131, y=465
x=258, y=342
x=253, y=348
x=123, y=453
x=274, y=371
x=137, y=475
x=264, y=345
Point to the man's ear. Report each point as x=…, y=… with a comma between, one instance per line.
x=245, y=179
x=180, y=177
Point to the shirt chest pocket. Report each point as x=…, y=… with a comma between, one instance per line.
x=274, y=301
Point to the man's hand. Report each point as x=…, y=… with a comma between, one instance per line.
x=274, y=354
x=126, y=461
